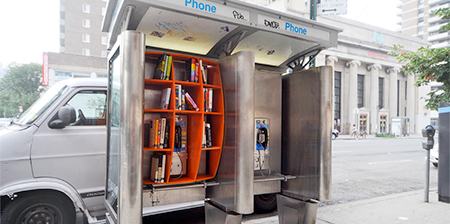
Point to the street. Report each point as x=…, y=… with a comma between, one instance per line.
x=362, y=169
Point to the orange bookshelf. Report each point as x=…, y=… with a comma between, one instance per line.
x=202, y=162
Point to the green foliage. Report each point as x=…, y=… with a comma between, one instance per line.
x=384, y=135
x=19, y=87
x=430, y=65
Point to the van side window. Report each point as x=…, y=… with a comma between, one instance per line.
x=90, y=107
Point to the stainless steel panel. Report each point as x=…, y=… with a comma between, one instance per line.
x=292, y=210
x=236, y=166
x=307, y=126
x=268, y=105
x=131, y=116
x=267, y=187
x=444, y=152
x=216, y=215
x=170, y=196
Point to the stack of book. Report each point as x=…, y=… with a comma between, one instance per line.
x=158, y=168
x=159, y=133
x=163, y=67
x=208, y=99
x=181, y=97
x=194, y=70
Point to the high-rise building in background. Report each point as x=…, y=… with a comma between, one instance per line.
x=83, y=45
x=80, y=27
x=417, y=20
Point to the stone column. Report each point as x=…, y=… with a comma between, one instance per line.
x=331, y=60
x=410, y=102
x=374, y=96
x=353, y=92
x=393, y=72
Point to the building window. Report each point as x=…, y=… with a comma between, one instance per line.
x=380, y=92
x=86, y=23
x=104, y=54
x=360, y=91
x=103, y=11
x=86, y=38
x=86, y=52
x=104, y=40
x=406, y=90
x=86, y=8
x=337, y=95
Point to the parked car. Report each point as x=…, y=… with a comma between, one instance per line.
x=334, y=134
x=4, y=121
x=434, y=155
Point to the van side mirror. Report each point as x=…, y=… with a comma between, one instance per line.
x=66, y=116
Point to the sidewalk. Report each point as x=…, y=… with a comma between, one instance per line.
x=347, y=137
x=407, y=207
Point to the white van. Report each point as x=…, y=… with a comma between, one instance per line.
x=52, y=161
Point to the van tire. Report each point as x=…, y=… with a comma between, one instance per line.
x=265, y=203
x=36, y=207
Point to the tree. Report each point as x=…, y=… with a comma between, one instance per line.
x=430, y=65
x=19, y=87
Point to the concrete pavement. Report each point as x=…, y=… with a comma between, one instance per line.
x=407, y=207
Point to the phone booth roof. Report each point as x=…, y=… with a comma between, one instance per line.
x=213, y=28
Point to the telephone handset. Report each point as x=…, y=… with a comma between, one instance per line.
x=261, y=137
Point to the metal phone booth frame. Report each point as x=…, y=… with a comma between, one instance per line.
x=254, y=47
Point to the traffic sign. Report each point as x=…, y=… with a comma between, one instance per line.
x=331, y=7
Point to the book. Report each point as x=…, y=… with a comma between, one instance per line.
x=204, y=135
x=197, y=72
x=210, y=99
x=202, y=70
x=191, y=102
x=208, y=135
x=154, y=169
x=187, y=70
x=192, y=79
x=180, y=133
x=183, y=99
x=163, y=133
x=162, y=166
x=165, y=98
x=151, y=139
x=178, y=96
x=166, y=137
x=154, y=140
x=160, y=67
x=158, y=136
x=168, y=67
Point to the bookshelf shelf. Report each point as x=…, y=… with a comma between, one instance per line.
x=199, y=163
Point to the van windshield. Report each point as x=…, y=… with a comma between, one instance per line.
x=41, y=104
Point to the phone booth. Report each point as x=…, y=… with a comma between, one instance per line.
x=210, y=105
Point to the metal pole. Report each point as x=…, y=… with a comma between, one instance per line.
x=427, y=176
x=313, y=16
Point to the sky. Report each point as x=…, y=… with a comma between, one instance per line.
x=30, y=27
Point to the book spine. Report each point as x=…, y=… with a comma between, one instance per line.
x=204, y=135
x=158, y=138
x=192, y=102
x=151, y=141
x=192, y=70
x=163, y=133
x=155, y=137
x=166, y=137
x=197, y=72
x=183, y=99
x=208, y=136
x=168, y=67
x=163, y=170
x=187, y=70
x=202, y=70
x=210, y=99
x=205, y=99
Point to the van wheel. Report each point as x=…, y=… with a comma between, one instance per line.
x=265, y=203
x=39, y=208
